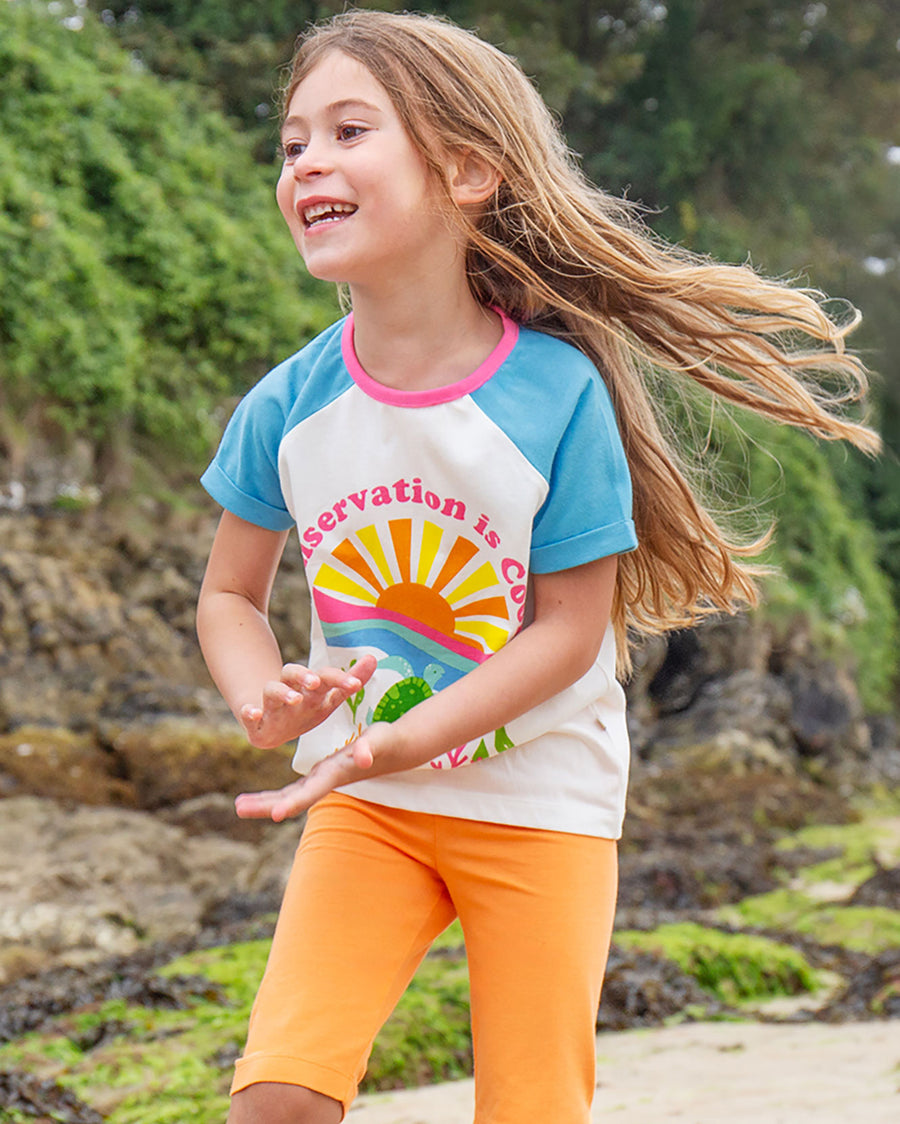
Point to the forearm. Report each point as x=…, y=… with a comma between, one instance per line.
x=537, y=664
x=239, y=647
x=274, y=702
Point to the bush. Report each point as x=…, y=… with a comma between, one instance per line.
x=147, y=274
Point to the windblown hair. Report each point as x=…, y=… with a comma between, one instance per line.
x=557, y=253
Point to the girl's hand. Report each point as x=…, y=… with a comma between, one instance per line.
x=300, y=700
x=352, y=762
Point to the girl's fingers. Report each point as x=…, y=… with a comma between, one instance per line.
x=299, y=677
x=276, y=804
x=277, y=693
x=334, y=679
x=328, y=678
x=254, y=805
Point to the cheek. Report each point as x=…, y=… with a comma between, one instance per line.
x=284, y=196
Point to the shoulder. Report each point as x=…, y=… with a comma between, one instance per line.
x=548, y=374
x=540, y=354
x=304, y=382
x=544, y=387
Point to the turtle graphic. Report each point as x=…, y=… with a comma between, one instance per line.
x=403, y=696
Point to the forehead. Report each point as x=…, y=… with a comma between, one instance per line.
x=338, y=79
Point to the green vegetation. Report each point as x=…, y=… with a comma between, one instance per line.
x=143, y=1066
x=875, y=838
x=733, y=966
x=870, y=929
x=826, y=554
x=150, y=1064
x=146, y=275
x=428, y=1037
x=807, y=906
x=148, y=280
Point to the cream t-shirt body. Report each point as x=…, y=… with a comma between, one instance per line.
x=421, y=516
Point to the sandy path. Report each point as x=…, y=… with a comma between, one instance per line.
x=710, y=1073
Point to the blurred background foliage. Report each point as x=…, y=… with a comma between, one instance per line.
x=146, y=280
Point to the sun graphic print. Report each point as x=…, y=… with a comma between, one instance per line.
x=415, y=591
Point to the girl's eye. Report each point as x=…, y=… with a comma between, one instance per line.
x=290, y=150
x=350, y=132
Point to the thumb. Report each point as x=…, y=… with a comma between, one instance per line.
x=363, y=757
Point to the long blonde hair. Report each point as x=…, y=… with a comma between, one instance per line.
x=556, y=252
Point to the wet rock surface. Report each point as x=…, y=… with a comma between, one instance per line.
x=882, y=889
x=873, y=992
x=697, y=837
x=78, y=883
x=30, y=1003
x=100, y=673
x=119, y=847
x=644, y=990
x=44, y=1099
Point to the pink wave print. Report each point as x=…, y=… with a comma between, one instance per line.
x=333, y=611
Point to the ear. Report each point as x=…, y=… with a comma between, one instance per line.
x=471, y=178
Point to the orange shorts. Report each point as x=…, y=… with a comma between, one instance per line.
x=372, y=887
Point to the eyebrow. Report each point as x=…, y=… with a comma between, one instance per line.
x=334, y=107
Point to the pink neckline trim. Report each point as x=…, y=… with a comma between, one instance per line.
x=440, y=394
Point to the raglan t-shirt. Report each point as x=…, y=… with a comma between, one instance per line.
x=421, y=516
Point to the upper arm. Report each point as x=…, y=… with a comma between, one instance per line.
x=577, y=602
x=244, y=560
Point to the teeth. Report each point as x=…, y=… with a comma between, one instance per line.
x=326, y=212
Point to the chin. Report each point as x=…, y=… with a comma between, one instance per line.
x=323, y=273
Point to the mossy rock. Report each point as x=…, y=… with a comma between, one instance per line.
x=175, y=760
x=732, y=966
x=869, y=929
x=137, y=1065
x=57, y=763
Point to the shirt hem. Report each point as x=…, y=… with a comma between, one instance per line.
x=546, y=816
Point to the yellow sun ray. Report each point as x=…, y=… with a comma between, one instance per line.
x=493, y=637
x=330, y=578
x=431, y=541
x=368, y=536
x=482, y=578
x=347, y=553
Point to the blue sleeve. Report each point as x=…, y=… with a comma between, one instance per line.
x=243, y=476
x=587, y=512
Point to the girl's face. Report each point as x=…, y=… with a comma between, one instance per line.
x=354, y=191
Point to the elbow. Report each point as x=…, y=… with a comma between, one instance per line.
x=582, y=653
x=588, y=657
x=201, y=613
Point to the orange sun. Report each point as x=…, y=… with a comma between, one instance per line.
x=433, y=579
x=421, y=603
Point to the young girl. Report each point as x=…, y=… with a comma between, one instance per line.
x=459, y=456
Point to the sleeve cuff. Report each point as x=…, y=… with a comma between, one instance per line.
x=225, y=492
x=617, y=538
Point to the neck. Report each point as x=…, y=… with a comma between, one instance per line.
x=419, y=336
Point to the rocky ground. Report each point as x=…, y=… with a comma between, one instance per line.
x=149, y=940
x=750, y=866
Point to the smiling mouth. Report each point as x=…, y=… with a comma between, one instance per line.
x=320, y=214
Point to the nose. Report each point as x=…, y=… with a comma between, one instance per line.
x=314, y=160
